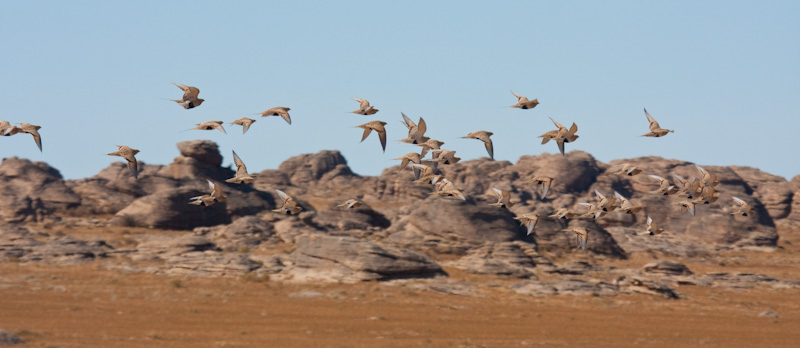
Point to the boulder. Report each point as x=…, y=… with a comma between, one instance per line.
x=33, y=190
x=8, y=339
x=170, y=209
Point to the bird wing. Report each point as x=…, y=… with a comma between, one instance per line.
x=559, y=125
x=285, y=115
x=367, y=130
x=408, y=122
x=489, y=147
x=739, y=201
x=382, y=137
x=37, y=138
x=421, y=128
x=283, y=195
x=560, y=143
x=649, y=118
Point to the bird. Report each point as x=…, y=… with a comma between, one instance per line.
x=483, y=136
x=581, y=236
x=628, y=169
x=209, y=125
x=543, y=180
x=5, y=126
x=664, y=187
x=416, y=131
x=523, y=102
x=281, y=111
x=446, y=187
x=561, y=135
x=423, y=173
x=562, y=213
x=708, y=178
x=528, y=220
x=350, y=204
x=377, y=126
x=290, y=206
x=686, y=205
x=655, y=130
x=625, y=205
x=445, y=156
x=503, y=198
x=743, y=208
x=128, y=154
x=241, y=177
x=652, y=227
x=31, y=129
x=207, y=200
x=603, y=203
x=689, y=188
x=429, y=145
x=190, y=99
x=593, y=210
x=364, y=109
x=412, y=157
x=244, y=122
x=707, y=195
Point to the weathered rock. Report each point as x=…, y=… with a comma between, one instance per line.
x=170, y=209
x=746, y=280
x=666, y=268
x=504, y=258
x=9, y=339
x=205, y=151
x=344, y=219
x=242, y=234
x=32, y=190
x=68, y=249
x=307, y=168
x=209, y=263
x=346, y=259
x=628, y=284
x=565, y=287
x=16, y=242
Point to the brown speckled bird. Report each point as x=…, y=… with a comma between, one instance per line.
x=416, y=131
x=743, y=208
x=378, y=127
x=483, y=136
x=190, y=99
x=209, y=125
x=655, y=130
x=281, y=111
x=215, y=196
x=364, y=109
x=128, y=154
x=31, y=129
x=244, y=122
x=581, y=236
x=241, y=177
x=523, y=102
x=289, y=206
x=528, y=220
x=503, y=198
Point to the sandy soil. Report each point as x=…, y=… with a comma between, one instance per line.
x=93, y=305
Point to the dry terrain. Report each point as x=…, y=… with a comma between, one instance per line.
x=95, y=305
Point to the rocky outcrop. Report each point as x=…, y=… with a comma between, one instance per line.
x=32, y=191
x=348, y=259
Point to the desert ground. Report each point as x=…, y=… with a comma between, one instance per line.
x=96, y=304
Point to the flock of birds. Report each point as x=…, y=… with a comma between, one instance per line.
x=693, y=191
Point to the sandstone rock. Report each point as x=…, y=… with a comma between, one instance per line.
x=68, y=249
x=205, y=151
x=16, y=242
x=628, y=284
x=169, y=209
x=209, y=263
x=32, y=190
x=352, y=259
x=666, y=268
x=9, y=339
x=344, y=219
x=569, y=286
x=243, y=233
x=307, y=168
x=504, y=258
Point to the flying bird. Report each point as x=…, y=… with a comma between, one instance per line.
x=581, y=236
x=378, y=127
x=281, y=111
x=743, y=208
x=628, y=169
x=416, y=131
x=364, y=108
x=561, y=135
x=128, y=154
x=244, y=122
x=241, y=177
x=207, y=200
x=686, y=205
x=626, y=206
x=483, y=136
x=664, y=187
x=290, y=206
x=655, y=130
x=543, y=180
x=446, y=187
x=503, y=198
x=603, y=203
x=445, y=156
x=31, y=129
x=209, y=125
x=523, y=102
x=430, y=144
x=593, y=211
x=528, y=220
x=190, y=99
x=652, y=227
x=562, y=213
x=351, y=203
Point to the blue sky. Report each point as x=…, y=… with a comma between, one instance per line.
x=94, y=74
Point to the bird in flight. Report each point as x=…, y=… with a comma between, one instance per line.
x=190, y=99
x=364, y=109
x=655, y=130
x=523, y=102
x=128, y=154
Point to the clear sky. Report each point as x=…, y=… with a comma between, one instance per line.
x=724, y=74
